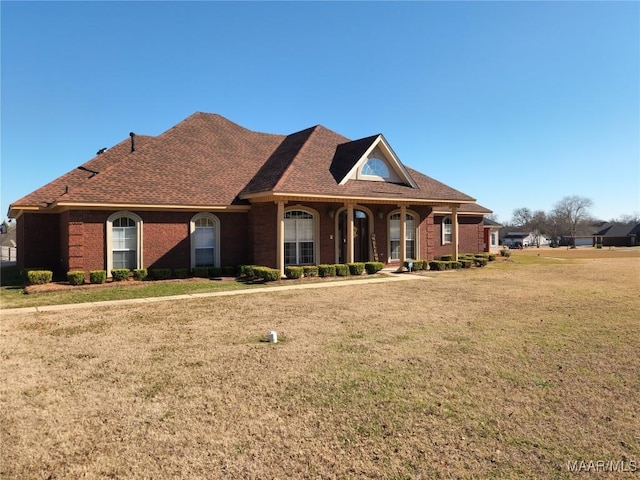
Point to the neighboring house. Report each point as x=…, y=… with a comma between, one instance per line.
x=8, y=251
x=618, y=235
x=524, y=239
x=491, y=235
x=208, y=192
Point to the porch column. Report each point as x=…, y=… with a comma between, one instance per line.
x=350, y=248
x=454, y=231
x=280, y=238
x=403, y=234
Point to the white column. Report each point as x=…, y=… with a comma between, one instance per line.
x=280, y=238
x=350, y=243
x=403, y=234
x=454, y=231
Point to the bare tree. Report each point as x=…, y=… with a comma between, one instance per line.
x=521, y=217
x=570, y=213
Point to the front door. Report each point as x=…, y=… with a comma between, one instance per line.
x=360, y=234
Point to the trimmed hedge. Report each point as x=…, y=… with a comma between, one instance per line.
x=215, y=271
x=437, y=265
x=159, y=273
x=267, y=274
x=356, y=268
x=310, y=270
x=342, y=270
x=466, y=263
x=327, y=270
x=98, y=276
x=293, y=272
x=200, y=272
x=37, y=277
x=505, y=253
x=417, y=265
x=446, y=258
x=373, y=267
x=75, y=277
x=481, y=262
x=120, y=274
x=181, y=272
x=246, y=271
x=140, y=273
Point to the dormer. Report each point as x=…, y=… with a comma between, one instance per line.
x=378, y=163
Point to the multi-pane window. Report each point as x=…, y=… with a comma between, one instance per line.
x=298, y=238
x=124, y=243
x=447, y=230
x=410, y=236
x=375, y=167
x=204, y=242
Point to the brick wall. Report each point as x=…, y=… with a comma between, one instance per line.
x=38, y=241
x=470, y=236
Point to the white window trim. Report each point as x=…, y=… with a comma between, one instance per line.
x=416, y=222
x=446, y=242
x=109, y=238
x=316, y=228
x=216, y=238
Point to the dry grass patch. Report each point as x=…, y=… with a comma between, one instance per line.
x=509, y=371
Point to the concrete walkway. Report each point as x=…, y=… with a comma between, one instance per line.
x=388, y=277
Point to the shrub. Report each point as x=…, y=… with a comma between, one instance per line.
x=342, y=270
x=267, y=274
x=229, y=271
x=200, y=272
x=36, y=276
x=180, y=272
x=327, y=270
x=310, y=270
x=481, y=262
x=159, y=273
x=373, y=267
x=98, y=276
x=415, y=265
x=437, y=265
x=215, y=271
x=446, y=258
x=491, y=257
x=505, y=253
x=120, y=274
x=293, y=272
x=140, y=274
x=456, y=265
x=356, y=268
x=466, y=263
x=425, y=265
x=75, y=277
x=246, y=271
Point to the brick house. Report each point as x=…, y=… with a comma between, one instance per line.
x=208, y=192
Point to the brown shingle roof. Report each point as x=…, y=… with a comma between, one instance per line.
x=207, y=160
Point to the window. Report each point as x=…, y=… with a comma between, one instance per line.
x=124, y=241
x=205, y=240
x=299, y=246
x=376, y=168
x=394, y=236
x=447, y=230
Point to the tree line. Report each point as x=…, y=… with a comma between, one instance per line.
x=569, y=217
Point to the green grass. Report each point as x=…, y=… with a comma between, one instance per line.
x=15, y=297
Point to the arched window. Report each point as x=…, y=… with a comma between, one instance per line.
x=410, y=236
x=447, y=230
x=204, y=230
x=124, y=241
x=299, y=238
x=375, y=167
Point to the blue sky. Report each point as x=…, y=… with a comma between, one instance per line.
x=517, y=104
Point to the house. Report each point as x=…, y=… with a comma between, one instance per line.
x=515, y=239
x=618, y=235
x=208, y=192
x=491, y=235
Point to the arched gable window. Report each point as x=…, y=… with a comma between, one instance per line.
x=204, y=231
x=375, y=167
x=447, y=230
x=299, y=237
x=124, y=241
x=411, y=237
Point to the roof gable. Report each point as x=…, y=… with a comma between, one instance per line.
x=375, y=148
